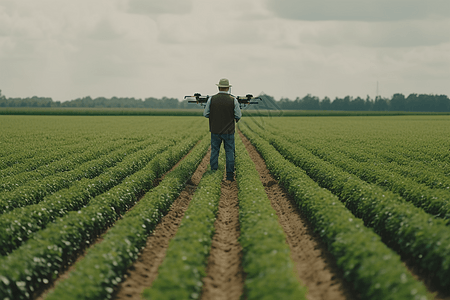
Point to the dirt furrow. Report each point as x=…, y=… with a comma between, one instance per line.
x=225, y=276
x=315, y=266
x=189, y=190
x=144, y=271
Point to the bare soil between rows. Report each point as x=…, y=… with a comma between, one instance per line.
x=145, y=269
x=189, y=189
x=315, y=266
x=225, y=278
x=225, y=275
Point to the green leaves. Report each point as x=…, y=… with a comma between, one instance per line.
x=71, y=232
x=105, y=264
x=36, y=217
x=266, y=262
x=375, y=270
x=403, y=226
x=181, y=273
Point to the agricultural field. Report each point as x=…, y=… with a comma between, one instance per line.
x=126, y=207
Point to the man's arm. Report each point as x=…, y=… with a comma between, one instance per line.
x=207, y=108
x=237, y=111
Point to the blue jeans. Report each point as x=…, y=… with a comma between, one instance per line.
x=228, y=143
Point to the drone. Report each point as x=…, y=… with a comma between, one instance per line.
x=243, y=100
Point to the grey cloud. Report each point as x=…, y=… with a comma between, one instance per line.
x=104, y=30
x=238, y=34
x=4, y=26
x=211, y=30
x=160, y=7
x=359, y=10
x=96, y=62
x=7, y=6
x=391, y=34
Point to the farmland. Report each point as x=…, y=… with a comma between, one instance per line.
x=125, y=207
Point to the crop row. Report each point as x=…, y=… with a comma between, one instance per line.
x=18, y=224
x=432, y=173
x=412, y=232
x=34, y=140
x=433, y=201
x=104, y=265
x=266, y=262
x=35, y=191
x=14, y=154
x=46, y=158
x=63, y=164
x=181, y=273
x=376, y=271
x=36, y=262
x=434, y=177
x=417, y=142
x=266, y=255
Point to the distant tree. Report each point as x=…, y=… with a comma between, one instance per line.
x=169, y=102
x=325, y=104
x=285, y=103
x=369, y=103
x=358, y=104
x=425, y=103
x=309, y=103
x=398, y=103
x=3, y=101
x=412, y=102
x=442, y=103
x=268, y=102
x=341, y=104
x=380, y=104
x=337, y=104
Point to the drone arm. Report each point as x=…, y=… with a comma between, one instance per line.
x=241, y=101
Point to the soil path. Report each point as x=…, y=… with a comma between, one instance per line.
x=189, y=190
x=225, y=276
x=315, y=266
x=145, y=270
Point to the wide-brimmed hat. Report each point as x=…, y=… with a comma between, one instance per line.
x=223, y=83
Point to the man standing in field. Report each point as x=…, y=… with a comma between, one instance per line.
x=222, y=110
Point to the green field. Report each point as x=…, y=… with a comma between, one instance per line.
x=266, y=111
x=375, y=189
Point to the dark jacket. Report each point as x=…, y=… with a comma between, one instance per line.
x=221, y=116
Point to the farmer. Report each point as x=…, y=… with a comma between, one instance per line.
x=222, y=110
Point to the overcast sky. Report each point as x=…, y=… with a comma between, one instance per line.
x=284, y=48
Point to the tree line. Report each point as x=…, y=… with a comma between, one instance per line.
x=398, y=102
x=100, y=102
